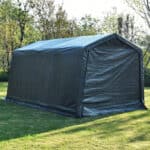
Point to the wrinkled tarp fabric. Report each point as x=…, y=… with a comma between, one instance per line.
x=112, y=79
x=82, y=76
x=47, y=79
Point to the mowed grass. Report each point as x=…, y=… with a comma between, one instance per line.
x=23, y=128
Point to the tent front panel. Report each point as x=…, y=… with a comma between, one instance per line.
x=46, y=79
x=112, y=79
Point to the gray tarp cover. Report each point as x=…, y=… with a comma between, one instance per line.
x=80, y=76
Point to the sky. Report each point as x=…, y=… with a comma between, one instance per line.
x=97, y=8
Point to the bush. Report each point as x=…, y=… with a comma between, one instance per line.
x=147, y=77
x=3, y=76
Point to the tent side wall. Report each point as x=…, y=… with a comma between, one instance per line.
x=47, y=79
x=113, y=79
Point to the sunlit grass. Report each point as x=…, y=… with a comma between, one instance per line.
x=3, y=89
x=24, y=128
x=147, y=96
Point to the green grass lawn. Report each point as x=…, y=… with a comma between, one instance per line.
x=23, y=128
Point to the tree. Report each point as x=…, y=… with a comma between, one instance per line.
x=15, y=22
x=45, y=18
x=121, y=24
x=142, y=8
x=88, y=25
x=61, y=23
x=22, y=17
x=8, y=32
x=110, y=22
x=127, y=28
x=73, y=27
x=32, y=34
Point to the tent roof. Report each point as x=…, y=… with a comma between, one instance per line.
x=81, y=41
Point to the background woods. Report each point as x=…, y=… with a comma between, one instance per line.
x=23, y=22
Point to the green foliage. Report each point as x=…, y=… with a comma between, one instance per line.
x=25, y=128
x=3, y=76
x=110, y=23
x=146, y=55
x=121, y=24
x=16, y=29
x=146, y=51
x=61, y=23
x=44, y=20
x=141, y=8
x=88, y=25
x=147, y=77
x=8, y=26
x=3, y=61
x=26, y=21
x=32, y=34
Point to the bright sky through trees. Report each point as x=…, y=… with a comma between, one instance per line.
x=97, y=8
x=78, y=8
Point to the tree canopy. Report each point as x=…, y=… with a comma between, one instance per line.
x=23, y=22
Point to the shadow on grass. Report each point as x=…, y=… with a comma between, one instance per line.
x=18, y=121
x=110, y=124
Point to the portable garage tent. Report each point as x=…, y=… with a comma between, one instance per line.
x=80, y=76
